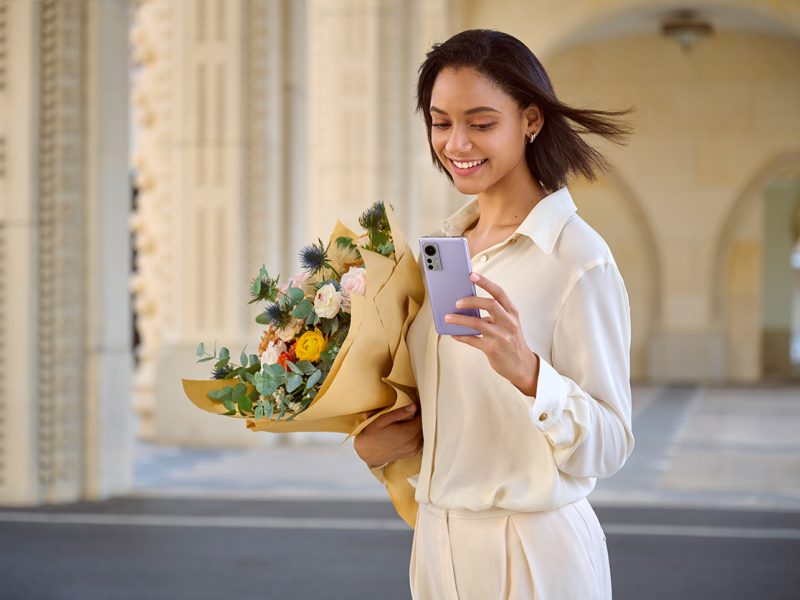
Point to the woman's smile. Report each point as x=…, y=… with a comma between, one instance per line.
x=466, y=167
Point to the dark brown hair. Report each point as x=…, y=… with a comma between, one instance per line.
x=558, y=151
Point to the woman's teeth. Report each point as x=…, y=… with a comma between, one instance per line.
x=468, y=165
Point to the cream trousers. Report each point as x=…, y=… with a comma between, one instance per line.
x=499, y=554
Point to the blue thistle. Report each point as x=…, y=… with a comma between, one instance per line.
x=374, y=218
x=276, y=316
x=314, y=257
x=221, y=372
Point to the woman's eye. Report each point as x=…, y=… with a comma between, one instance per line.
x=483, y=125
x=440, y=125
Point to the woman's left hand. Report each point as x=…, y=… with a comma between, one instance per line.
x=501, y=338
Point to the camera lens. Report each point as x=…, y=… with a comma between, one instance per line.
x=430, y=250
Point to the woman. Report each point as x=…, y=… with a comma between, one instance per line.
x=519, y=422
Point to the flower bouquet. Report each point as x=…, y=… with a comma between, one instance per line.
x=333, y=355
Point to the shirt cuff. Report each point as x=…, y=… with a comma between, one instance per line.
x=546, y=410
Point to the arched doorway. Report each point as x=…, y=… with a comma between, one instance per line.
x=753, y=278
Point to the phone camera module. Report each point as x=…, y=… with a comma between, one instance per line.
x=430, y=250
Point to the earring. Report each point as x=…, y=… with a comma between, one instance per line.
x=533, y=137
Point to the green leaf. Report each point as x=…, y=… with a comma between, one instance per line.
x=277, y=371
x=220, y=394
x=262, y=319
x=315, y=377
x=206, y=359
x=293, y=381
x=257, y=285
x=224, y=353
x=293, y=368
x=254, y=359
x=229, y=413
x=251, y=379
x=243, y=358
x=221, y=363
x=201, y=349
x=306, y=367
x=303, y=309
x=259, y=412
x=228, y=403
x=295, y=294
x=245, y=404
x=269, y=410
x=238, y=391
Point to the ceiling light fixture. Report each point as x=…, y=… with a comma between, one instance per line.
x=686, y=27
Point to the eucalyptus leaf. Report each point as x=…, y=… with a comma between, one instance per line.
x=262, y=319
x=254, y=360
x=293, y=381
x=259, y=412
x=245, y=404
x=295, y=294
x=228, y=403
x=222, y=362
x=243, y=358
x=277, y=370
x=206, y=359
x=201, y=349
x=293, y=367
x=306, y=367
x=315, y=377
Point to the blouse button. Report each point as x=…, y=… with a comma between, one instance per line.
x=543, y=417
x=483, y=258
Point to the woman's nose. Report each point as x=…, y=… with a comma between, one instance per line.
x=458, y=141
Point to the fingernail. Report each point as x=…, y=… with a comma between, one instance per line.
x=459, y=304
x=474, y=277
x=447, y=318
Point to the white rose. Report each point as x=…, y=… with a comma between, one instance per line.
x=354, y=281
x=273, y=351
x=327, y=301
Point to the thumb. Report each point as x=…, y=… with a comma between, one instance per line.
x=398, y=414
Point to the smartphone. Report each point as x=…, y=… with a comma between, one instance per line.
x=447, y=267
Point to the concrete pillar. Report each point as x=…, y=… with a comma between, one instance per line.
x=64, y=307
x=220, y=103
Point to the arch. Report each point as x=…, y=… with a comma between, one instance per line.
x=631, y=17
x=783, y=165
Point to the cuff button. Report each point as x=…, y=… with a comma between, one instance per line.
x=543, y=417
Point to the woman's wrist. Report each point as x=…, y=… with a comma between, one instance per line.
x=528, y=380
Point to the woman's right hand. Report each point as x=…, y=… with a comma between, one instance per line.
x=394, y=435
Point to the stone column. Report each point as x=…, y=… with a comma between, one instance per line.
x=64, y=253
x=366, y=143
x=219, y=98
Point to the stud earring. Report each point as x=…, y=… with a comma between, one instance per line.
x=533, y=137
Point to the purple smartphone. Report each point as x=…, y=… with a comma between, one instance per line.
x=447, y=267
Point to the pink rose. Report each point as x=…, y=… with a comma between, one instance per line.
x=353, y=282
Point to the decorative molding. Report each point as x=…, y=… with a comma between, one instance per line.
x=61, y=252
x=152, y=40
x=3, y=44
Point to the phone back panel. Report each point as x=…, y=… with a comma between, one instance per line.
x=449, y=284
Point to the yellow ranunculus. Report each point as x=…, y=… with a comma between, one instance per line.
x=310, y=345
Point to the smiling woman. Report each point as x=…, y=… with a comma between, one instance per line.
x=520, y=421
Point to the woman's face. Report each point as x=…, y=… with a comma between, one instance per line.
x=479, y=132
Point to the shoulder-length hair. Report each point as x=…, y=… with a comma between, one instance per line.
x=558, y=151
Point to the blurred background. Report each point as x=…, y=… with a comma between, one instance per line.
x=154, y=153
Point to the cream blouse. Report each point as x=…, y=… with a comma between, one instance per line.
x=486, y=444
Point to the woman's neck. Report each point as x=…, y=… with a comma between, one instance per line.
x=507, y=203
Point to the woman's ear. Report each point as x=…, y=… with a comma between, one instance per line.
x=533, y=118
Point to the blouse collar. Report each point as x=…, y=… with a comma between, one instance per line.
x=543, y=224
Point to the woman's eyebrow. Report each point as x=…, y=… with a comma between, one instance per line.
x=471, y=111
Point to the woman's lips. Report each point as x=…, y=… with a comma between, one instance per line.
x=459, y=171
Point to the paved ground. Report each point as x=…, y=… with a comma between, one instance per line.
x=707, y=507
x=166, y=548
x=695, y=447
